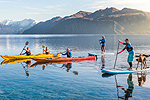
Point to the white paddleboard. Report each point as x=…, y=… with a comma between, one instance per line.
x=123, y=71
x=92, y=54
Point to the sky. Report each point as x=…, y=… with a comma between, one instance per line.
x=42, y=10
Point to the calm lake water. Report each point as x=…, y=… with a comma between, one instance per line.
x=83, y=80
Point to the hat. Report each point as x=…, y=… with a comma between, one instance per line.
x=126, y=39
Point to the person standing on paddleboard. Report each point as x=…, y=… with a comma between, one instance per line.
x=102, y=42
x=68, y=53
x=130, y=50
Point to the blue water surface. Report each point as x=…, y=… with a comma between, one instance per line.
x=19, y=81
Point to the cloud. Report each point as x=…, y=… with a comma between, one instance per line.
x=33, y=13
x=2, y=1
x=36, y=9
x=46, y=8
x=56, y=6
x=115, y=3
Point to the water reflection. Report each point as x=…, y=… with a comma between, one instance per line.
x=26, y=66
x=7, y=61
x=68, y=66
x=127, y=91
x=65, y=65
x=141, y=78
x=103, y=61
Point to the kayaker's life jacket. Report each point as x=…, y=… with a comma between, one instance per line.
x=68, y=54
x=47, y=52
x=28, y=53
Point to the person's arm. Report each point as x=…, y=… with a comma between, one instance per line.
x=23, y=53
x=64, y=53
x=25, y=49
x=122, y=42
x=100, y=40
x=121, y=51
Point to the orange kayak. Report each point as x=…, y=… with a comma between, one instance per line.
x=61, y=59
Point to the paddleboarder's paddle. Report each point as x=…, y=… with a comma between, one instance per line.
x=116, y=54
x=24, y=47
x=43, y=48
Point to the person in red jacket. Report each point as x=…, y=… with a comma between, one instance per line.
x=28, y=52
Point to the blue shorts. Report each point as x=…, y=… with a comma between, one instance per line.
x=130, y=57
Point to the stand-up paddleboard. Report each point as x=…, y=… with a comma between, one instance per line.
x=92, y=54
x=123, y=71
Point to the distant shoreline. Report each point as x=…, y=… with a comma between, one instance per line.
x=67, y=34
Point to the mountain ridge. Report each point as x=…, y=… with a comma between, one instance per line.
x=12, y=26
x=106, y=21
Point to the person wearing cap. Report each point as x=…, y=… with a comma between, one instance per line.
x=68, y=53
x=102, y=42
x=130, y=50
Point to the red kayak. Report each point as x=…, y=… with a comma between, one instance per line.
x=61, y=59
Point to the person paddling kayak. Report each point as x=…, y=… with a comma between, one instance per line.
x=68, y=53
x=130, y=50
x=46, y=50
x=102, y=42
x=28, y=52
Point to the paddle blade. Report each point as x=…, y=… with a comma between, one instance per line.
x=75, y=72
x=75, y=49
x=43, y=46
x=43, y=67
x=27, y=43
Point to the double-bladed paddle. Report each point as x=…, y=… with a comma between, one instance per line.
x=70, y=50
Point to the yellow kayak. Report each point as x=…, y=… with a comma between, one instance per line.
x=7, y=61
x=31, y=56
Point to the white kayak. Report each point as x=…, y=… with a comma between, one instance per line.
x=123, y=71
x=92, y=54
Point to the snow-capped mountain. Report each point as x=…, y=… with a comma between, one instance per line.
x=17, y=26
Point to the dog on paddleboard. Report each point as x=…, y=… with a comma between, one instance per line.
x=143, y=60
